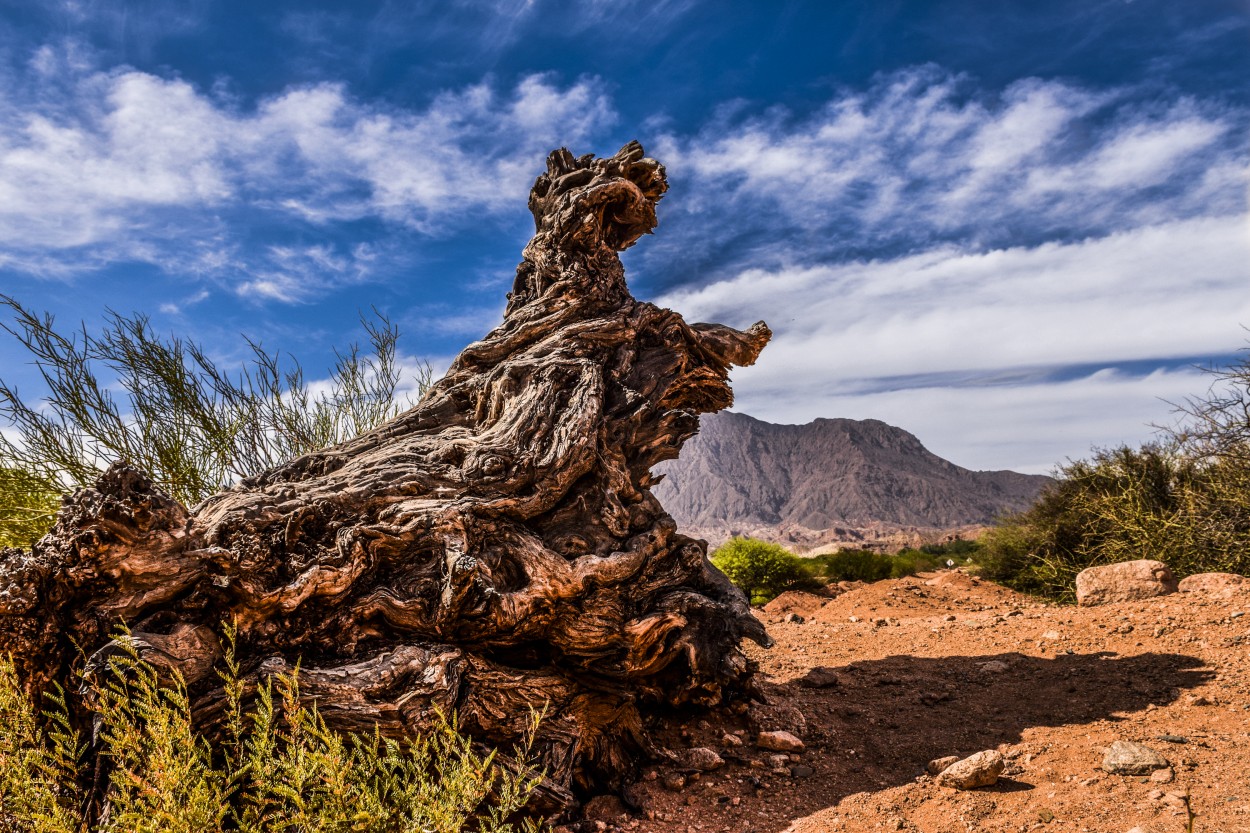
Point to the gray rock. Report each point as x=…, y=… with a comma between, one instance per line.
x=979, y=770
x=820, y=677
x=801, y=771
x=779, y=742
x=1128, y=758
x=700, y=758
x=935, y=766
x=1124, y=582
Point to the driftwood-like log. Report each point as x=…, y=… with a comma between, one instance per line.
x=494, y=549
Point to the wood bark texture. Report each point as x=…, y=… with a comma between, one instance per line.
x=494, y=549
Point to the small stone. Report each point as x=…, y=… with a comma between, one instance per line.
x=1124, y=582
x=950, y=617
x=604, y=808
x=1050, y=635
x=701, y=758
x=895, y=823
x=935, y=766
x=779, y=761
x=1163, y=776
x=673, y=780
x=1181, y=739
x=852, y=619
x=779, y=742
x=802, y=771
x=730, y=741
x=794, y=618
x=1128, y=758
x=1199, y=700
x=979, y=770
x=994, y=666
x=820, y=677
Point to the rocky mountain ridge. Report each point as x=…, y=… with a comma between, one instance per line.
x=827, y=482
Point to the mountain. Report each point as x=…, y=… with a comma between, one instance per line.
x=829, y=480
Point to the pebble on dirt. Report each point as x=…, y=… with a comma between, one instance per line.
x=979, y=770
x=779, y=742
x=1128, y=758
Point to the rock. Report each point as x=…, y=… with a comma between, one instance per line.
x=979, y=770
x=1163, y=776
x=1128, y=758
x=604, y=808
x=793, y=618
x=1124, y=582
x=994, y=666
x=776, y=716
x=802, y=771
x=700, y=758
x=673, y=780
x=936, y=766
x=820, y=677
x=779, y=742
x=1219, y=585
x=730, y=741
x=796, y=601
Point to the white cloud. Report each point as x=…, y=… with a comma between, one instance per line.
x=923, y=154
x=128, y=165
x=876, y=333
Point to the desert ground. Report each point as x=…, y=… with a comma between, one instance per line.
x=884, y=678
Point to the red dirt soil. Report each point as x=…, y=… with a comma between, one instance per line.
x=944, y=664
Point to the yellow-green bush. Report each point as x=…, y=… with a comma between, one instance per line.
x=279, y=768
x=760, y=569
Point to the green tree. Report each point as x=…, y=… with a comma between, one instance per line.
x=762, y=570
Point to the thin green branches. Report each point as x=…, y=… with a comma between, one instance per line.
x=165, y=406
x=278, y=768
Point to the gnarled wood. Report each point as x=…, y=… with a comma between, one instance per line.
x=493, y=549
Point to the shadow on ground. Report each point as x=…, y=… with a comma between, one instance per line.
x=884, y=719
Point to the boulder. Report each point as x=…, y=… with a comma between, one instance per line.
x=1219, y=585
x=1124, y=582
x=979, y=770
x=1128, y=758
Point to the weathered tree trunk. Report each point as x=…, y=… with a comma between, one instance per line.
x=495, y=548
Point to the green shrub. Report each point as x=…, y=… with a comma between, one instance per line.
x=870, y=566
x=28, y=507
x=762, y=570
x=279, y=769
x=191, y=425
x=1156, y=502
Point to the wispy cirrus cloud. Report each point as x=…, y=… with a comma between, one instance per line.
x=924, y=157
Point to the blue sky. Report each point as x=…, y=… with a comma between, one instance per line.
x=1012, y=228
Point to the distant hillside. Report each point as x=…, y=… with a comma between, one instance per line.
x=825, y=481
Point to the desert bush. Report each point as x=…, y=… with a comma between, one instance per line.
x=870, y=566
x=28, y=507
x=191, y=425
x=761, y=569
x=1183, y=500
x=279, y=768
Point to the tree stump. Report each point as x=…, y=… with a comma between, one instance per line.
x=494, y=549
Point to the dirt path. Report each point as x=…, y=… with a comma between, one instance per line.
x=943, y=664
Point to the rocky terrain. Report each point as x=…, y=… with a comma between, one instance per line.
x=885, y=678
x=831, y=481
